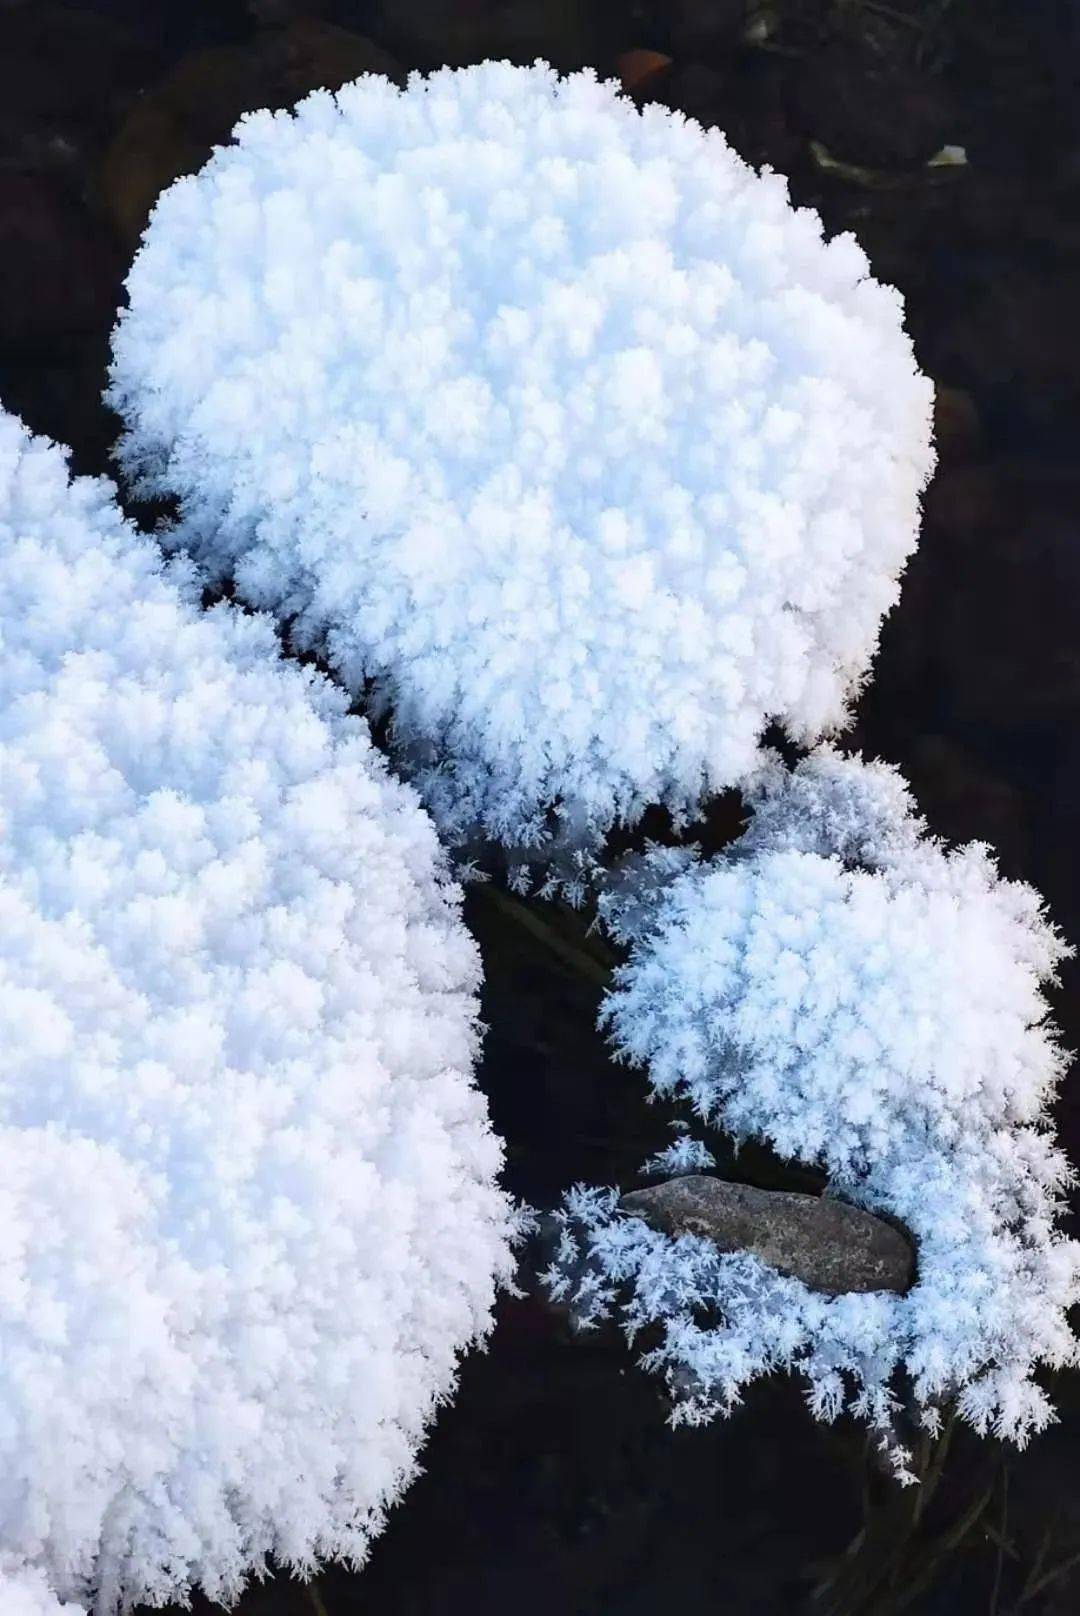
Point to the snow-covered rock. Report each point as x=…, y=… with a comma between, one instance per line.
x=249, y=1215
x=844, y=988
x=547, y=416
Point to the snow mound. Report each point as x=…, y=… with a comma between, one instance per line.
x=546, y=416
x=249, y=1214
x=846, y=989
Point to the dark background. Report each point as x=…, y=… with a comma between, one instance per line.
x=553, y=1483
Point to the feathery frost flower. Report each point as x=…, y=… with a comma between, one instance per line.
x=841, y=986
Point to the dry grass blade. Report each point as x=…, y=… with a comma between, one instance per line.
x=315, y=1599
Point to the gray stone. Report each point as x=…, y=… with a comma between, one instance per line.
x=827, y=1244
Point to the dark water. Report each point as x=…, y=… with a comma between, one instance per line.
x=553, y=1484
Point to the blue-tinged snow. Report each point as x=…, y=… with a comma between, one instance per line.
x=546, y=415
x=249, y=1214
x=848, y=990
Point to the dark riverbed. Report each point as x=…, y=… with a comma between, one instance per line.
x=553, y=1484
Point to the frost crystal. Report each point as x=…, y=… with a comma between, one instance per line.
x=546, y=415
x=25, y=1592
x=847, y=990
x=683, y=1156
x=249, y=1214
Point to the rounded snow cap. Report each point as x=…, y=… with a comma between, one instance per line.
x=844, y=987
x=248, y=1197
x=546, y=415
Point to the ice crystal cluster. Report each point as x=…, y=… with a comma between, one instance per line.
x=545, y=419
x=25, y=1591
x=249, y=1215
x=843, y=987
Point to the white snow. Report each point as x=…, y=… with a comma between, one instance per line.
x=249, y=1215
x=847, y=990
x=546, y=415
x=25, y=1592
